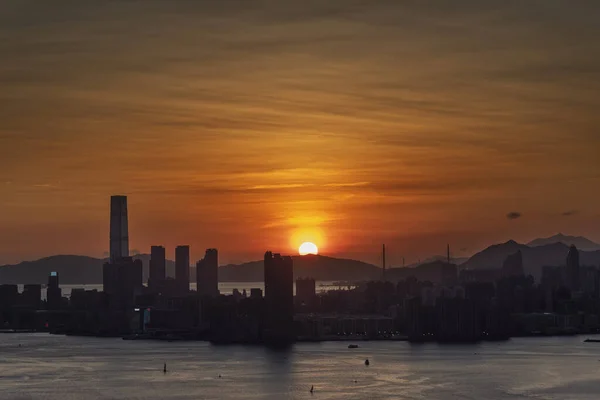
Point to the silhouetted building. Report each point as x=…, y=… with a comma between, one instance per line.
x=480, y=275
x=8, y=296
x=53, y=292
x=158, y=269
x=256, y=293
x=32, y=296
x=436, y=272
x=119, y=228
x=306, y=290
x=81, y=299
x=279, y=298
x=573, y=269
x=513, y=265
x=207, y=274
x=182, y=269
x=122, y=281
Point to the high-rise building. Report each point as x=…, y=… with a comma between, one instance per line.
x=32, y=296
x=53, y=293
x=122, y=281
x=279, y=297
x=119, y=228
x=573, y=269
x=513, y=265
x=207, y=274
x=182, y=269
x=158, y=269
x=306, y=291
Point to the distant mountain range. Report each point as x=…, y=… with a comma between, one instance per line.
x=88, y=270
x=579, y=241
x=534, y=257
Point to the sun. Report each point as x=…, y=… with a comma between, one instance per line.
x=308, y=248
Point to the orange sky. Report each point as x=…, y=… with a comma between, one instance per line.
x=256, y=125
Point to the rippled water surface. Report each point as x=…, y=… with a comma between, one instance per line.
x=41, y=366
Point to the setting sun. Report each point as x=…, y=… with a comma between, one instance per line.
x=308, y=248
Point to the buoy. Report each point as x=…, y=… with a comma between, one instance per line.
x=165, y=368
x=312, y=389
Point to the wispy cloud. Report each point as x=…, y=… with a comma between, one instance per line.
x=514, y=215
x=569, y=213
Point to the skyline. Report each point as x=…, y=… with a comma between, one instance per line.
x=342, y=124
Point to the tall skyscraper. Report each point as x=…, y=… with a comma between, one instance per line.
x=182, y=269
x=573, y=269
x=279, y=297
x=207, y=274
x=53, y=292
x=158, y=269
x=119, y=228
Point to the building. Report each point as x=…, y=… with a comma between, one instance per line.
x=182, y=269
x=119, y=228
x=279, y=298
x=8, y=296
x=513, y=265
x=32, y=296
x=122, y=281
x=207, y=274
x=573, y=269
x=158, y=269
x=256, y=293
x=53, y=293
x=306, y=291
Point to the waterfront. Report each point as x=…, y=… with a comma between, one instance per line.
x=42, y=366
x=225, y=288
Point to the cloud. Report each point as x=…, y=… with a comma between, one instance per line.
x=514, y=215
x=569, y=213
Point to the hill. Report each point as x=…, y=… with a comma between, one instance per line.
x=579, y=241
x=315, y=266
x=71, y=270
x=88, y=270
x=534, y=258
x=454, y=260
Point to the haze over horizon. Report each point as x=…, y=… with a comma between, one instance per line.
x=346, y=123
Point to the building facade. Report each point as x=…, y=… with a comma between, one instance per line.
x=207, y=274
x=182, y=269
x=158, y=269
x=119, y=228
x=279, y=298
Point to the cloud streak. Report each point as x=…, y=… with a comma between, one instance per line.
x=514, y=215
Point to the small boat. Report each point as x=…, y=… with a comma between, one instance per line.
x=367, y=363
x=353, y=346
x=591, y=341
x=165, y=368
x=312, y=389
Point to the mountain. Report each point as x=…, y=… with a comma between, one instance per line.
x=454, y=260
x=534, y=258
x=320, y=267
x=87, y=270
x=71, y=270
x=579, y=241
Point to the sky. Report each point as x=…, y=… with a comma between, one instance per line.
x=255, y=125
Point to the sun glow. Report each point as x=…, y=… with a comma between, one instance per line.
x=308, y=248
